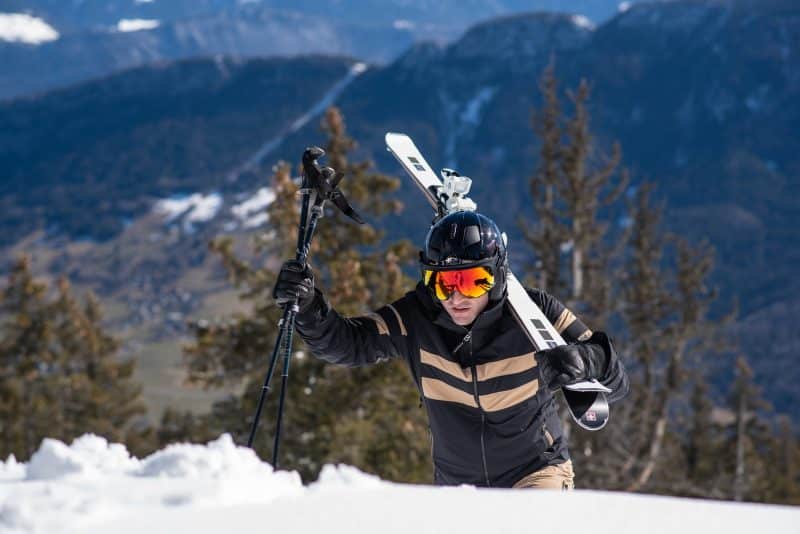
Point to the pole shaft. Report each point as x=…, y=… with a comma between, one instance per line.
x=267, y=379
x=287, y=356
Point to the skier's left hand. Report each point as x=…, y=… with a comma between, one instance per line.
x=567, y=364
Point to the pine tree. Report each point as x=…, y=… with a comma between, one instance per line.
x=547, y=236
x=783, y=465
x=25, y=358
x=667, y=313
x=702, y=445
x=573, y=181
x=60, y=374
x=747, y=443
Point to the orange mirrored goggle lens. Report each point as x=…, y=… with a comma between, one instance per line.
x=472, y=282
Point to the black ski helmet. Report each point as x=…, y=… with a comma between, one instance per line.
x=464, y=239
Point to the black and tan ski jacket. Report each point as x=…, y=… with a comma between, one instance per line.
x=490, y=421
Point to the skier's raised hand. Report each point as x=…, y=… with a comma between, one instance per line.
x=294, y=282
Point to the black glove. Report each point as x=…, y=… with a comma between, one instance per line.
x=566, y=364
x=294, y=282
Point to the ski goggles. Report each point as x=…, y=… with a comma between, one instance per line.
x=471, y=282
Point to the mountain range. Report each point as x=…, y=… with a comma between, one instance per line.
x=98, y=37
x=708, y=115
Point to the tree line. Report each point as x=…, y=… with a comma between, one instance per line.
x=595, y=241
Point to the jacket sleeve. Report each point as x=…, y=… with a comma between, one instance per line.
x=573, y=330
x=355, y=341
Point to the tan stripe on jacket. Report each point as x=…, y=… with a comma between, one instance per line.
x=383, y=329
x=399, y=320
x=564, y=320
x=507, y=366
x=438, y=390
x=501, y=400
x=485, y=371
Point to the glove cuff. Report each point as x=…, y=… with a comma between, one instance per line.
x=314, y=309
x=599, y=355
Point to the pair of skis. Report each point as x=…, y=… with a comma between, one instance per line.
x=586, y=400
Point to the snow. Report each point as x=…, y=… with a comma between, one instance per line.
x=684, y=17
x=92, y=486
x=250, y=213
x=463, y=119
x=135, y=25
x=402, y=24
x=472, y=111
x=582, y=21
x=24, y=28
x=623, y=7
x=195, y=208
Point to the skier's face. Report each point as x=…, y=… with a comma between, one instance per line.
x=464, y=310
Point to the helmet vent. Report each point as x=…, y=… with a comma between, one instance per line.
x=472, y=236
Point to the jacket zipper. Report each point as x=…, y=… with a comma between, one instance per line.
x=483, y=426
x=468, y=339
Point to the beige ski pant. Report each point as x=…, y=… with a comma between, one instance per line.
x=557, y=477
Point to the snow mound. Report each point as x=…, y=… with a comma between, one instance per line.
x=92, y=486
x=89, y=455
x=339, y=477
x=11, y=469
x=23, y=28
x=217, y=459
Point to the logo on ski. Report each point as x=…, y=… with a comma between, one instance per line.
x=415, y=162
x=542, y=329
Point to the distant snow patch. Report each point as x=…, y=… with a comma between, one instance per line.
x=623, y=7
x=135, y=25
x=23, y=28
x=403, y=24
x=194, y=208
x=463, y=119
x=142, y=1
x=472, y=111
x=251, y=213
x=582, y=21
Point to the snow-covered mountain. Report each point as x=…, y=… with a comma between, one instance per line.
x=92, y=486
x=46, y=43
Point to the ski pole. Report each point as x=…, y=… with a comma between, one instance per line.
x=323, y=184
x=283, y=328
x=302, y=256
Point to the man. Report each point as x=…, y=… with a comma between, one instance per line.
x=489, y=399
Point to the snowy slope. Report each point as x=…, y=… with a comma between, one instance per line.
x=93, y=487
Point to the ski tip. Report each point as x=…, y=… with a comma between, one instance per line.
x=393, y=135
